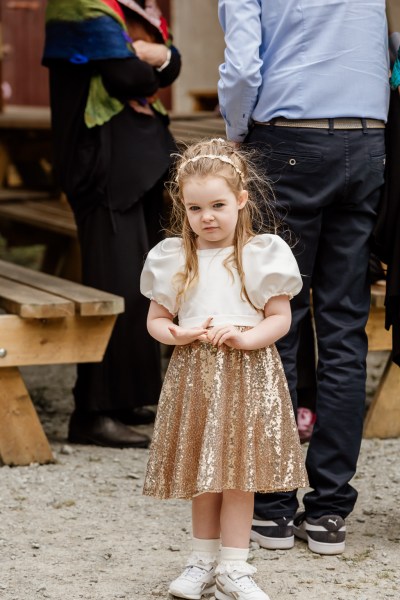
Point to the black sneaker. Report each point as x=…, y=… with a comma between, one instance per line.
x=325, y=535
x=274, y=534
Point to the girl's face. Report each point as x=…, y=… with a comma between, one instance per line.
x=212, y=210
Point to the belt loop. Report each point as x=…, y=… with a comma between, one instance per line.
x=364, y=126
x=331, y=128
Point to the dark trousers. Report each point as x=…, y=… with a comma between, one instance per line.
x=328, y=183
x=113, y=248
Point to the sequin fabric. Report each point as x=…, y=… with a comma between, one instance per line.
x=224, y=421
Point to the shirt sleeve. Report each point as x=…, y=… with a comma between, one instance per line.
x=270, y=269
x=240, y=74
x=163, y=262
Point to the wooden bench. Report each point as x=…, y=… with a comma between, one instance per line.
x=49, y=321
x=28, y=218
x=383, y=416
x=48, y=214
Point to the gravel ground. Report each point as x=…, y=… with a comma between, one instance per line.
x=80, y=528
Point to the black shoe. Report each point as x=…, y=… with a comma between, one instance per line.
x=325, y=535
x=136, y=416
x=274, y=534
x=101, y=430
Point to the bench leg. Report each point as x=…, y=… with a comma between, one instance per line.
x=22, y=439
x=383, y=416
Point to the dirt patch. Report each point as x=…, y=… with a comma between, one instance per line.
x=80, y=528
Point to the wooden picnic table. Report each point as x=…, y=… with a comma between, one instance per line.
x=48, y=321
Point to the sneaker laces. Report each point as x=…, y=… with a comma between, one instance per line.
x=194, y=572
x=246, y=583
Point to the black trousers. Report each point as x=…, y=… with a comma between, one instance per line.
x=113, y=247
x=329, y=184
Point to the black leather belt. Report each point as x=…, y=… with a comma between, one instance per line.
x=342, y=123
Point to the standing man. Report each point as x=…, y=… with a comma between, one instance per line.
x=306, y=83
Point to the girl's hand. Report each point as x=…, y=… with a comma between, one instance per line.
x=153, y=54
x=226, y=334
x=187, y=336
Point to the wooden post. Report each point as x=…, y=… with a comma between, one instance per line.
x=383, y=416
x=22, y=439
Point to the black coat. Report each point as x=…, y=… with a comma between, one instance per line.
x=387, y=238
x=117, y=163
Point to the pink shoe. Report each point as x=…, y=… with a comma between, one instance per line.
x=305, y=423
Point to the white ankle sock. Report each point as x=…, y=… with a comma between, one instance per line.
x=232, y=554
x=204, y=551
x=234, y=560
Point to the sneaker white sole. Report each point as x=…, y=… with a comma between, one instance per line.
x=221, y=596
x=319, y=547
x=178, y=594
x=271, y=543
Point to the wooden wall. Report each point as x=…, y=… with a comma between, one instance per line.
x=25, y=81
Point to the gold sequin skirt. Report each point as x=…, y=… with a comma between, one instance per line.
x=224, y=421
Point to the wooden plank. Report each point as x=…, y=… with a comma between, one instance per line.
x=22, y=439
x=25, y=117
x=378, y=337
x=88, y=301
x=31, y=303
x=53, y=341
x=383, y=416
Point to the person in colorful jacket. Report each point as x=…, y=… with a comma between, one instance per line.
x=107, y=60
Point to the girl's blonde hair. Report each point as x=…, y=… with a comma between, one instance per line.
x=220, y=158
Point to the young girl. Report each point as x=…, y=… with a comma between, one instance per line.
x=225, y=426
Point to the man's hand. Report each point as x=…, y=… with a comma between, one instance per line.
x=153, y=54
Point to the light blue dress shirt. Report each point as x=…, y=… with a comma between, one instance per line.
x=302, y=59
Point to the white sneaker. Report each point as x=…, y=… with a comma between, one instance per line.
x=195, y=582
x=238, y=586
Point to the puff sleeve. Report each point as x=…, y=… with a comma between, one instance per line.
x=270, y=269
x=162, y=263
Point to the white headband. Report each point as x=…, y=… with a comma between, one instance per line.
x=221, y=157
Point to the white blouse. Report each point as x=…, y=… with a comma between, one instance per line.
x=270, y=270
